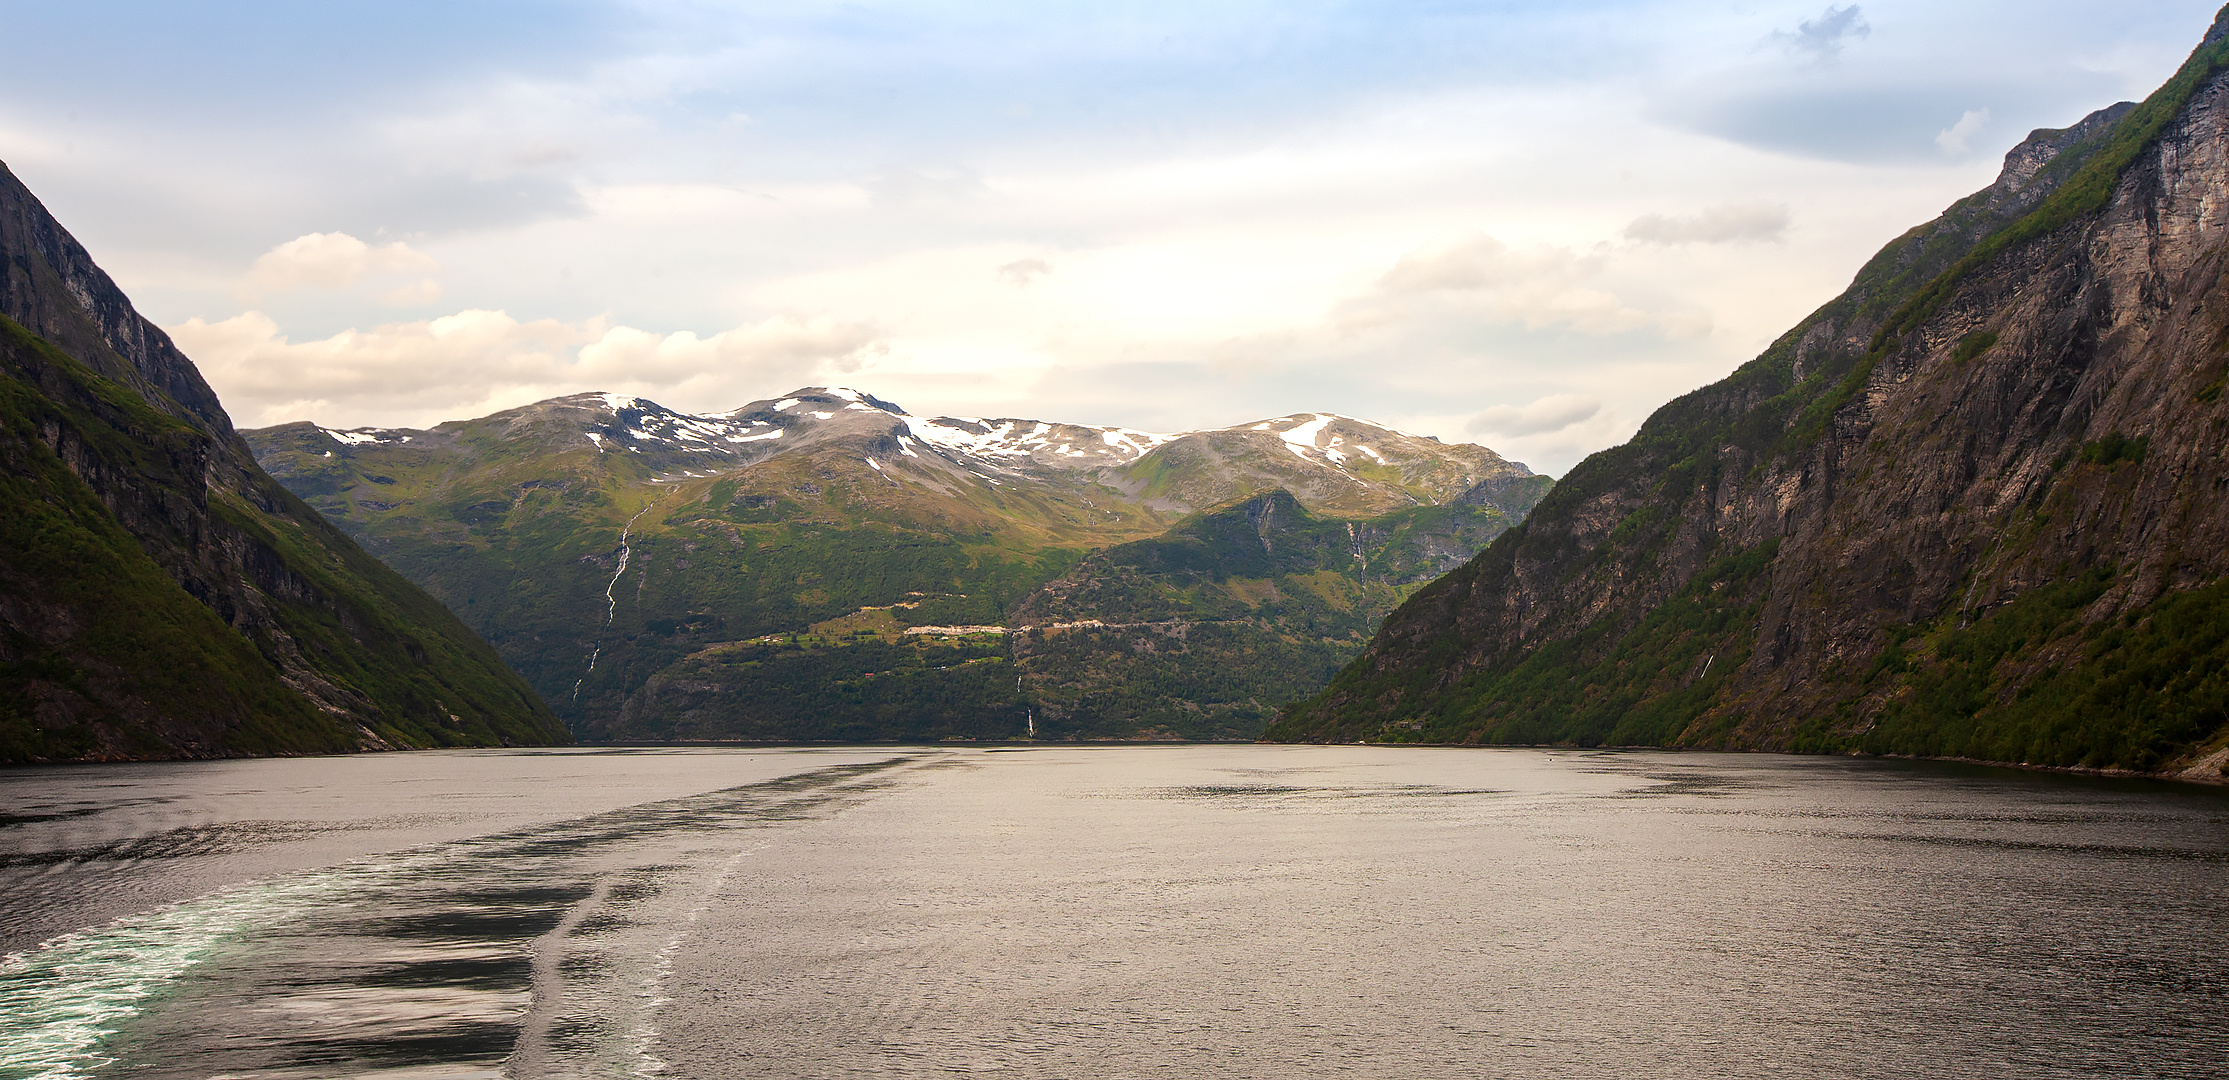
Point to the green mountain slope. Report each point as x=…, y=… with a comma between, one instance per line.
x=1971, y=507
x=647, y=570
x=159, y=595
x=1205, y=631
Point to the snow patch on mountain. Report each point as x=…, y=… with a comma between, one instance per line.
x=988, y=448
x=859, y=400
x=1307, y=433
x=1026, y=439
x=366, y=436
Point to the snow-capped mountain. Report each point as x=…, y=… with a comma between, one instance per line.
x=1330, y=462
x=598, y=540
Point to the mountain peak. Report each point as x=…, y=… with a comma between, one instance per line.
x=1811, y=552
x=856, y=400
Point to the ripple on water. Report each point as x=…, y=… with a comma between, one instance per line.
x=1192, y=913
x=446, y=962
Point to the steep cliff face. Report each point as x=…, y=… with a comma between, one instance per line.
x=160, y=596
x=1975, y=506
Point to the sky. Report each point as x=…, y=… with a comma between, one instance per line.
x=1524, y=224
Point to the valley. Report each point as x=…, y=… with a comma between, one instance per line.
x=824, y=565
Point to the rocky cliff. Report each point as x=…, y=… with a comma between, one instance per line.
x=1975, y=506
x=160, y=596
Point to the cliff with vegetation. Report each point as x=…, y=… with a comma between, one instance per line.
x=1973, y=507
x=160, y=596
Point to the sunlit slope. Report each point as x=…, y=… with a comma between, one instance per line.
x=159, y=594
x=787, y=514
x=1205, y=631
x=1973, y=507
x=1199, y=633
x=1333, y=464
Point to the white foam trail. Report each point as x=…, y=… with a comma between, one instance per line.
x=530, y=1056
x=651, y=991
x=59, y=1001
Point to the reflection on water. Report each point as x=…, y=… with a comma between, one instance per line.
x=1178, y=911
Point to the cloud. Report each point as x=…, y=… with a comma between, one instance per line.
x=1474, y=275
x=1823, y=38
x=1729, y=224
x=1021, y=272
x=1953, y=138
x=1476, y=261
x=1552, y=413
x=477, y=361
x=333, y=260
x=539, y=152
x=940, y=187
x=416, y=294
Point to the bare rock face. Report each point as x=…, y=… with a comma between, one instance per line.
x=1972, y=507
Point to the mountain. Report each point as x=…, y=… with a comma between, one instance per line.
x=1204, y=631
x=160, y=596
x=1972, y=507
x=755, y=573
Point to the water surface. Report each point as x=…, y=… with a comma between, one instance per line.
x=1151, y=911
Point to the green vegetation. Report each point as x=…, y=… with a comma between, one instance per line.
x=536, y=589
x=515, y=522
x=1208, y=630
x=2033, y=682
x=2110, y=451
x=1202, y=633
x=1973, y=345
x=1214, y=680
x=874, y=689
x=108, y=654
x=1644, y=686
x=430, y=680
x=127, y=655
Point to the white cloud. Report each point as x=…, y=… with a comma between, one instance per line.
x=1021, y=272
x=336, y=260
x=1539, y=287
x=1552, y=413
x=1225, y=247
x=1953, y=139
x=935, y=187
x=475, y=362
x=1822, y=38
x=416, y=294
x=1728, y=224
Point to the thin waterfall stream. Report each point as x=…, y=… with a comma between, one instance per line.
x=611, y=599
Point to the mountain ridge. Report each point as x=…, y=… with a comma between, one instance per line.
x=160, y=596
x=599, y=540
x=679, y=442
x=1947, y=509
